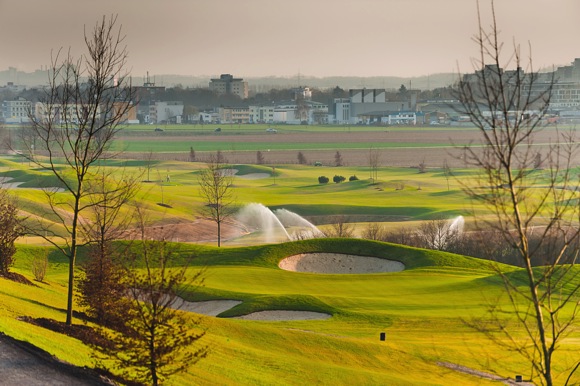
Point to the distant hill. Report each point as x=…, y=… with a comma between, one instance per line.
x=39, y=77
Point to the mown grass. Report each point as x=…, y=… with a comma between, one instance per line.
x=420, y=310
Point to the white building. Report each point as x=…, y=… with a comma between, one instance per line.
x=165, y=112
x=362, y=104
x=261, y=114
x=69, y=113
x=296, y=113
x=16, y=111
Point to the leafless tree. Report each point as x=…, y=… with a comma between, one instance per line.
x=374, y=163
x=259, y=158
x=39, y=265
x=216, y=187
x=375, y=231
x=340, y=227
x=302, y=158
x=438, y=234
x=508, y=108
x=85, y=104
x=422, y=166
x=446, y=172
x=338, y=159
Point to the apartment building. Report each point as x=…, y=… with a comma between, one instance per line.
x=227, y=84
x=16, y=111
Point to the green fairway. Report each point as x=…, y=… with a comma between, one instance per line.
x=436, y=289
x=421, y=309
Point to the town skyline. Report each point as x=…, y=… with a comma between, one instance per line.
x=324, y=38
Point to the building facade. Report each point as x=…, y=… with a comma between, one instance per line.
x=239, y=115
x=261, y=114
x=16, y=111
x=165, y=112
x=227, y=84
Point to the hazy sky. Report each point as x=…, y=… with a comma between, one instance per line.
x=286, y=37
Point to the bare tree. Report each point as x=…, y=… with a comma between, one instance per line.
x=302, y=158
x=439, y=234
x=340, y=227
x=508, y=107
x=422, y=166
x=446, y=173
x=85, y=104
x=149, y=164
x=374, y=163
x=338, y=159
x=216, y=187
x=375, y=231
x=259, y=158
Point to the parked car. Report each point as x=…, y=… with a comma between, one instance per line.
x=158, y=129
x=271, y=130
x=218, y=129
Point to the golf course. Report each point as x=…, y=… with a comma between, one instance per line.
x=286, y=311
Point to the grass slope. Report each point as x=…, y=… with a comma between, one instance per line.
x=420, y=309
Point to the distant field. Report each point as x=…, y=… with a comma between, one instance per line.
x=398, y=146
x=420, y=309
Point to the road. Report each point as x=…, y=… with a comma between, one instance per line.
x=23, y=364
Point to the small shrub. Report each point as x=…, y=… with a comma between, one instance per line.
x=338, y=179
x=323, y=180
x=353, y=178
x=39, y=266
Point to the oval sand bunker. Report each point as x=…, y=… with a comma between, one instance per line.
x=339, y=263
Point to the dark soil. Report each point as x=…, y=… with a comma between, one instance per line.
x=16, y=277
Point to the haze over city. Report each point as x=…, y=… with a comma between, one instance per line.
x=320, y=38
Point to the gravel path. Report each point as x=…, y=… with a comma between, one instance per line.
x=23, y=364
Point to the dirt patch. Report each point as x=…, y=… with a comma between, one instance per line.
x=336, y=263
x=200, y=230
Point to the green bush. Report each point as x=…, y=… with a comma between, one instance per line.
x=323, y=180
x=353, y=178
x=338, y=179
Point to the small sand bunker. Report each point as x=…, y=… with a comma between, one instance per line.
x=211, y=307
x=328, y=263
x=249, y=176
x=280, y=315
x=254, y=176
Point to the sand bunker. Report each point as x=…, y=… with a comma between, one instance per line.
x=249, y=176
x=6, y=184
x=210, y=308
x=254, y=176
x=328, y=263
x=216, y=307
x=280, y=315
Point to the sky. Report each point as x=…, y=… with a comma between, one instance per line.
x=251, y=38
